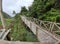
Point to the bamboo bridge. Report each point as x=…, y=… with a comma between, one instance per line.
x=44, y=30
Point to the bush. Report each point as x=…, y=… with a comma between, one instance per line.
x=58, y=19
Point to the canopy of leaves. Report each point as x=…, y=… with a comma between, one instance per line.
x=43, y=9
x=24, y=11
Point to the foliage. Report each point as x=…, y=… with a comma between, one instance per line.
x=44, y=10
x=20, y=32
x=24, y=11
x=58, y=19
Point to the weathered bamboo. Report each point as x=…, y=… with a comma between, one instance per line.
x=2, y=19
x=5, y=34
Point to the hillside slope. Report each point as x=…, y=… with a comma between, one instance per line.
x=5, y=15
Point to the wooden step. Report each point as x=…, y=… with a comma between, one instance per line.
x=18, y=42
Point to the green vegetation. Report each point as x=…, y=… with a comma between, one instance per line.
x=7, y=19
x=58, y=32
x=20, y=32
x=48, y=10
x=5, y=15
x=8, y=22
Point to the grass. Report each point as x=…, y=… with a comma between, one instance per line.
x=7, y=22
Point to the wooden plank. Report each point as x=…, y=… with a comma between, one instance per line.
x=3, y=31
x=18, y=42
x=5, y=34
x=57, y=26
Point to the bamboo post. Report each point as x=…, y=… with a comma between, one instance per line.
x=30, y=25
x=37, y=31
x=2, y=19
x=52, y=27
x=40, y=23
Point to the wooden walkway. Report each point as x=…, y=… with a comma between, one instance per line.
x=44, y=30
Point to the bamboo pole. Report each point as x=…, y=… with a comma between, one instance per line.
x=1, y=16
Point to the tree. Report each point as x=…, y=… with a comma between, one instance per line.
x=24, y=11
x=14, y=12
x=43, y=10
x=58, y=19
